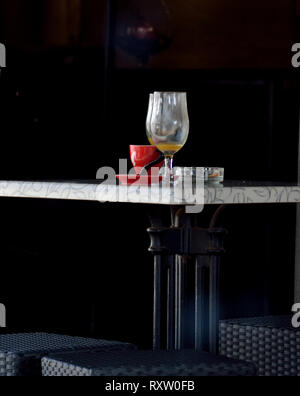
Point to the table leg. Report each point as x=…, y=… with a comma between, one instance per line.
x=157, y=303
x=214, y=304
x=200, y=266
x=171, y=300
x=175, y=248
x=180, y=300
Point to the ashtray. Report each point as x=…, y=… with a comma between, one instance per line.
x=214, y=175
x=190, y=172
x=208, y=175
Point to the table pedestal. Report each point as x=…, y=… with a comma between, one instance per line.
x=186, y=282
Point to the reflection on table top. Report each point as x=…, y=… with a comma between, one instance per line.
x=230, y=192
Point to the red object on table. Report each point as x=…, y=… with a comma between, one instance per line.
x=142, y=156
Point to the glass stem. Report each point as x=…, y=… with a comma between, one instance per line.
x=169, y=167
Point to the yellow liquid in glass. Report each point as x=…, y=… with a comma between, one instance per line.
x=169, y=148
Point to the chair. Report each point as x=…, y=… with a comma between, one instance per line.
x=269, y=342
x=143, y=363
x=20, y=354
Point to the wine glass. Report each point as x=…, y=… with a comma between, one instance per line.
x=169, y=127
x=148, y=120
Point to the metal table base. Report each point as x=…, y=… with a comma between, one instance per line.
x=186, y=282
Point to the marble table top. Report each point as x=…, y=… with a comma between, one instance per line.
x=233, y=192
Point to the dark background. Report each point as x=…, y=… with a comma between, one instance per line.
x=72, y=100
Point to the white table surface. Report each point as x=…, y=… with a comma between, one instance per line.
x=228, y=193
